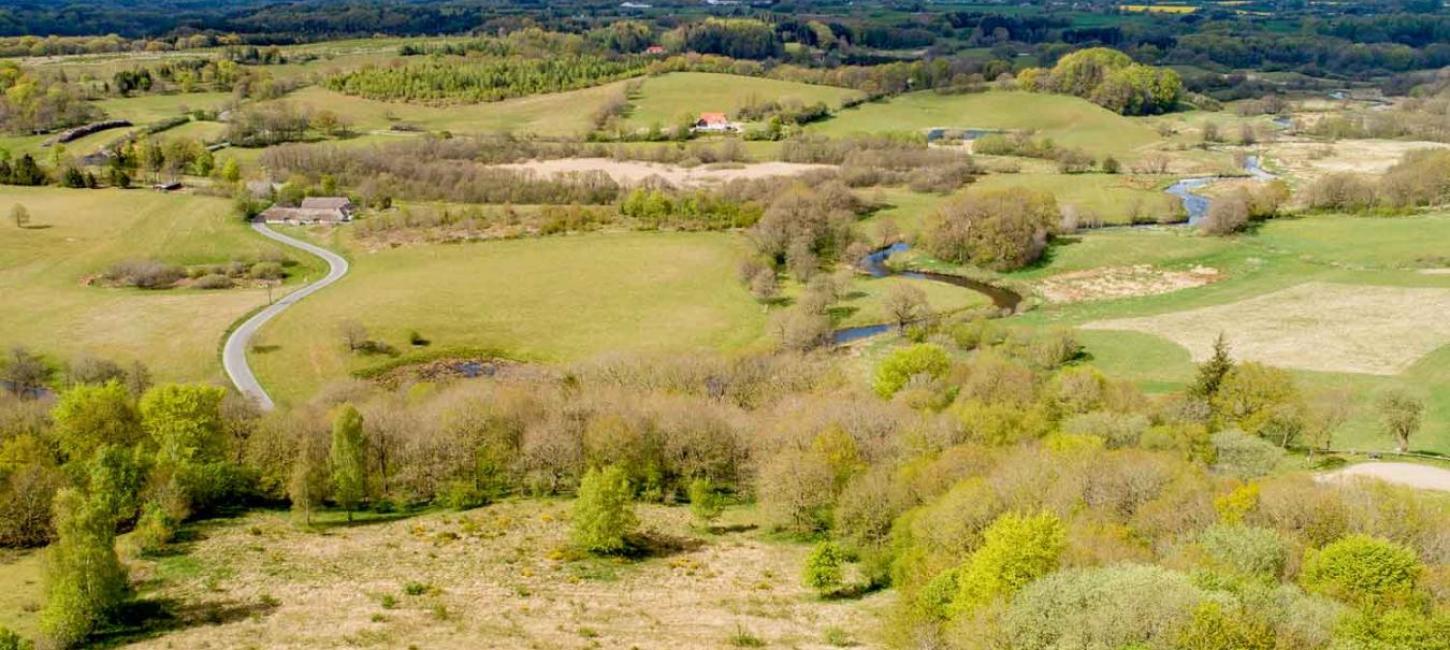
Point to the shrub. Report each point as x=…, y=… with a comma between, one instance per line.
x=9, y=640
x=706, y=502
x=905, y=363
x=603, y=516
x=144, y=274
x=1244, y=456
x=1002, y=229
x=462, y=495
x=1245, y=550
x=214, y=281
x=823, y=568
x=1363, y=570
x=1016, y=550
x=1125, y=606
x=154, y=530
x=266, y=271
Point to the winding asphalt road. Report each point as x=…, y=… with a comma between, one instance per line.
x=234, y=353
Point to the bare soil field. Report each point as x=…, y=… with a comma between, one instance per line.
x=496, y=577
x=1122, y=282
x=1318, y=326
x=1310, y=159
x=630, y=172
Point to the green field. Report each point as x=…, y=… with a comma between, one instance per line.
x=145, y=109
x=1069, y=121
x=664, y=99
x=557, y=114
x=1283, y=253
x=1110, y=198
x=556, y=298
x=78, y=234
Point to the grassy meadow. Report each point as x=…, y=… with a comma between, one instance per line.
x=1364, y=252
x=550, y=299
x=75, y=235
x=1069, y=121
x=664, y=99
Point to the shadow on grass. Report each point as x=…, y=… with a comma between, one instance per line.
x=731, y=528
x=149, y=618
x=654, y=544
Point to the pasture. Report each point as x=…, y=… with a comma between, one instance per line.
x=145, y=109
x=665, y=99
x=551, y=299
x=1114, y=199
x=75, y=235
x=1292, y=293
x=1069, y=121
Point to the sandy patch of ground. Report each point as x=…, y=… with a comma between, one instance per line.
x=495, y=577
x=1309, y=159
x=633, y=171
x=1434, y=271
x=1422, y=477
x=1123, y=282
x=1313, y=326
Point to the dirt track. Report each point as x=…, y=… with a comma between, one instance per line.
x=1423, y=477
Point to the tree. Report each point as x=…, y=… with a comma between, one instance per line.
x=1400, y=413
x=20, y=215
x=24, y=372
x=706, y=502
x=1212, y=371
x=349, y=478
x=1364, y=571
x=905, y=304
x=354, y=335
x=763, y=286
x=905, y=363
x=88, y=416
x=307, y=481
x=230, y=171
x=185, y=423
x=85, y=582
x=603, y=515
x=823, y=568
x=1001, y=229
x=1016, y=550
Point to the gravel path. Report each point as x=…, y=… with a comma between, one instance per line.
x=234, y=353
x=1423, y=477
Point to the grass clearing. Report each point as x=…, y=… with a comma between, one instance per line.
x=556, y=298
x=76, y=234
x=503, y=573
x=145, y=109
x=1109, y=198
x=1069, y=121
x=664, y=99
x=1313, y=326
x=22, y=591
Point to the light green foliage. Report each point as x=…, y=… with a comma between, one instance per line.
x=905, y=363
x=349, y=467
x=706, y=502
x=154, y=530
x=1118, y=430
x=1400, y=413
x=1072, y=444
x=185, y=422
x=1363, y=570
x=1239, y=454
x=88, y=416
x=1017, y=550
x=1001, y=229
x=85, y=581
x=1110, y=79
x=9, y=640
x=1258, y=399
x=1245, y=550
x=823, y=568
x=1396, y=629
x=1112, y=607
x=1214, y=629
x=1237, y=503
x=116, y=476
x=603, y=516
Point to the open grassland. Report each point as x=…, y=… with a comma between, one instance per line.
x=21, y=591
x=1365, y=258
x=864, y=301
x=1109, y=198
x=77, y=234
x=1069, y=121
x=555, y=114
x=145, y=109
x=665, y=99
x=504, y=573
x=550, y=299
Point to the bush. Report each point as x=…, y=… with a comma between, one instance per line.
x=214, y=281
x=266, y=271
x=706, y=502
x=603, y=516
x=823, y=568
x=462, y=495
x=9, y=640
x=1016, y=550
x=144, y=274
x=1244, y=456
x=1002, y=229
x=154, y=530
x=1245, y=550
x=1363, y=570
x=905, y=363
x=1125, y=606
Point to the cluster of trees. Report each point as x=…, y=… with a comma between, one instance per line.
x=1001, y=229
x=31, y=103
x=482, y=79
x=1420, y=179
x=1110, y=79
x=737, y=38
x=180, y=75
x=267, y=124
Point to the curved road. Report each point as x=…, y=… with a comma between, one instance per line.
x=234, y=353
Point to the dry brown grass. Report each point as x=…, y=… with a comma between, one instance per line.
x=1313, y=326
x=1122, y=282
x=496, y=577
x=1311, y=159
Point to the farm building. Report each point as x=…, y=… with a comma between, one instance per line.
x=316, y=209
x=715, y=123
